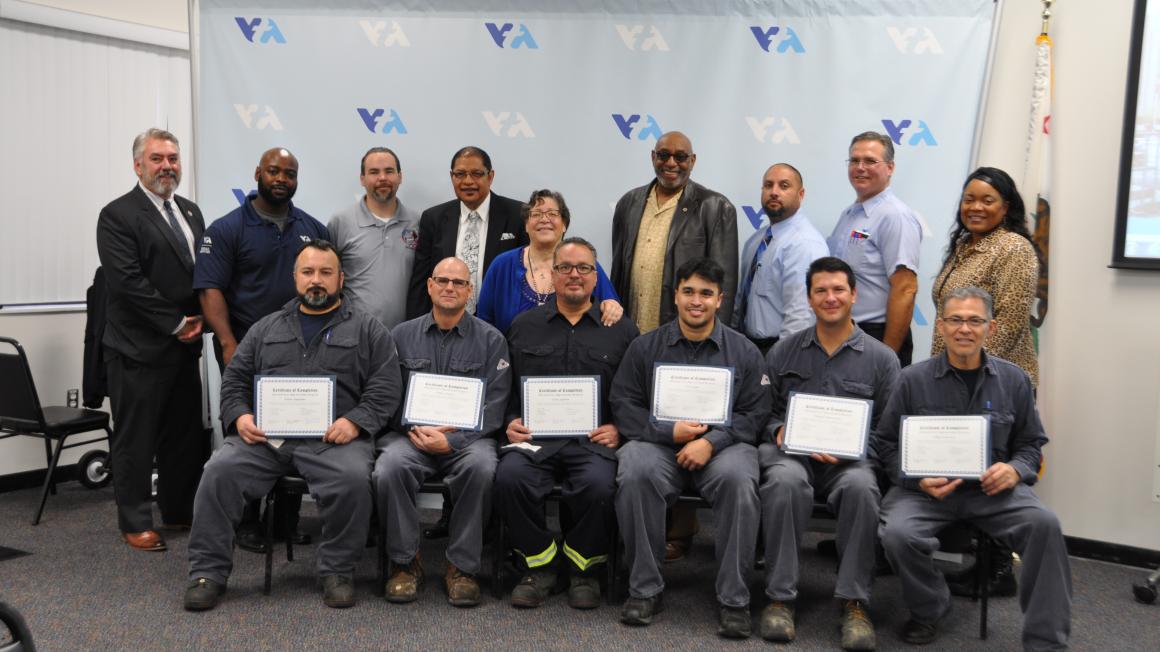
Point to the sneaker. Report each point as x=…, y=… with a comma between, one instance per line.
x=641, y=611
x=857, y=630
x=405, y=582
x=338, y=591
x=777, y=622
x=733, y=622
x=584, y=592
x=534, y=587
x=203, y=594
x=462, y=589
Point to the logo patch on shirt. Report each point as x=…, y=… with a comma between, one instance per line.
x=859, y=235
x=507, y=236
x=410, y=238
x=206, y=245
x=764, y=379
x=305, y=238
x=503, y=364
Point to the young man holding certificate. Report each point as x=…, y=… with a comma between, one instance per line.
x=458, y=378
x=560, y=427
x=333, y=373
x=830, y=385
x=691, y=397
x=954, y=465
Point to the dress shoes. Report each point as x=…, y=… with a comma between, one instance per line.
x=149, y=540
x=676, y=549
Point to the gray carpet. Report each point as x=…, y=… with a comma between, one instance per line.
x=83, y=589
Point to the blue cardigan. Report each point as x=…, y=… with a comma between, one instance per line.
x=505, y=289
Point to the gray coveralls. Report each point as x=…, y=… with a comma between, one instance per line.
x=359, y=352
x=471, y=348
x=650, y=479
x=911, y=519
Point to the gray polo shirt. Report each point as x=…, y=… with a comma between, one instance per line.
x=377, y=257
x=861, y=367
x=472, y=348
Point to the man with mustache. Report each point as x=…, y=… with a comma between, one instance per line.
x=377, y=237
x=245, y=270
x=152, y=341
x=314, y=334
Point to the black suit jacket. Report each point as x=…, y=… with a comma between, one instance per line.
x=438, y=231
x=150, y=284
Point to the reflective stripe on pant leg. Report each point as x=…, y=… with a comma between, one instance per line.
x=581, y=562
x=542, y=559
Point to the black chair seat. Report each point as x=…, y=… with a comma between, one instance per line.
x=67, y=420
x=289, y=484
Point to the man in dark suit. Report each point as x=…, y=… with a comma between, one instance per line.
x=475, y=227
x=152, y=341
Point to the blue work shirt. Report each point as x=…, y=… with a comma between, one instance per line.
x=252, y=262
x=778, y=304
x=875, y=238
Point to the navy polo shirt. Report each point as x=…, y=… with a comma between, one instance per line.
x=251, y=262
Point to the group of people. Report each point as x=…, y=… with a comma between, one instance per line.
x=493, y=289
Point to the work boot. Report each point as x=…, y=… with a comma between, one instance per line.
x=857, y=630
x=777, y=622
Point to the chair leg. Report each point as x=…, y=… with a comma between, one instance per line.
x=287, y=519
x=48, y=460
x=48, y=478
x=380, y=547
x=498, y=558
x=983, y=581
x=613, y=563
x=269, y=542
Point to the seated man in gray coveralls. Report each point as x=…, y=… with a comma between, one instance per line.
x=316, y=334
x=445, y=341
x=662, y=458
x=965, y=380
x=832, y=358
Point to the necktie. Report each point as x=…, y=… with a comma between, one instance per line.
x=471, y=253
x=185, y=255
x=748, y=285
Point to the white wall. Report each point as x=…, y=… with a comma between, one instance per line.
x=1101, y=381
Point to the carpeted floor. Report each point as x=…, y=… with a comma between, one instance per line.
x=81, y=588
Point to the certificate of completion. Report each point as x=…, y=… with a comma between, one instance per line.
x=683, y=392
x=561, y=406
x=827, y=424
x=438, y=400
x=947, y=447
x=294, y=406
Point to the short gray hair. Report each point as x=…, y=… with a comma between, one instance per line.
x=969, y=292
x=153, y=133
x=875, y=137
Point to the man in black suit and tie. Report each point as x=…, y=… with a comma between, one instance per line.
x=475, y=227
x=152, y=341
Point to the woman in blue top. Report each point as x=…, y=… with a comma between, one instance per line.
x=521, y=279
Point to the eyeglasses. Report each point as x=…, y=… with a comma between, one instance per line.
x=551, y=214
x=457, y=283
x=864, y=162
x=664, y=155
x=583, y=269
x=460, y=175
x=957, y=322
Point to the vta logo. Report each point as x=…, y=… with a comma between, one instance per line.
x=371, y=117
x=374, y=31
x=761, y=128
x=902, y=38
x=754, y=213
x=498, y=121
x=922, y=137
x=626, y=123
x=268, y=120
x=789, y=41
x=249, y=27
x=239, y=195
x=524, y=38
x=654, y=40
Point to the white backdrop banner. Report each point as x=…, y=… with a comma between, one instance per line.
x=573, y=98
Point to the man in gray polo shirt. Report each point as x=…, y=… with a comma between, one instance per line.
x=377, y=237
x=833, y=358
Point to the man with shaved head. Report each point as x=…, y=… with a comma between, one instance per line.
x=245, y=267
x=450, y=342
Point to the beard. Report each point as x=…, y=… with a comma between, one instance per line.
x=774, y=213
x=317, y=298
x=267, y=192
x=383, y=196
x=164, y=183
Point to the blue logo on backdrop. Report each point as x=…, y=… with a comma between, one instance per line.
x=241, y=195
x=626, y=125
x=251, y=26
x=371, y=118
x=754, y=213
x=897, y=131
x=523, y=38
x=787, y=40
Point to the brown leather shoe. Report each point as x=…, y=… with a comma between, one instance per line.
x=462, y=589
x=676, y=549
x=148, y=540
x=405, y=582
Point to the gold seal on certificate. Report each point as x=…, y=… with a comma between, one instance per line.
x=945, y=447
x=701, y=394
x=438, y=400
x=561, y=406
x=294, y=406
x=827, y=424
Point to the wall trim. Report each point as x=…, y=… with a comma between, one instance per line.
x=28, y=12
